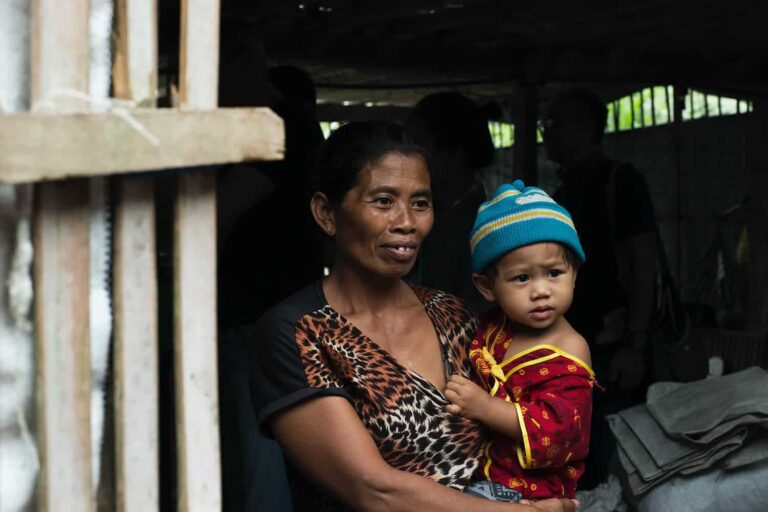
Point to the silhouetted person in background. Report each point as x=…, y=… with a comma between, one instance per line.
x=454, y=131
x=613, y=302
x=267, y=252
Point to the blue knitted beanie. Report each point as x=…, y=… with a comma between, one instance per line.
x=515, y=216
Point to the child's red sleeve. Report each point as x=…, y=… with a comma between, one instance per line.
x=554, y=413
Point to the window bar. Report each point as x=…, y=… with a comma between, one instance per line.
x=706, y=105
x=668, y=100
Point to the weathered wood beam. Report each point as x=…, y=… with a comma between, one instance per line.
x=59, y=61
x=196, y=367
x=136, y=378
x=36, y=147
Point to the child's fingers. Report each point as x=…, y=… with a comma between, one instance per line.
x=457, y=379
x=452, y=386
x=452, y=395
x=453, y=409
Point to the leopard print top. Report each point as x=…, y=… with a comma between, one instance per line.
x=305, y=349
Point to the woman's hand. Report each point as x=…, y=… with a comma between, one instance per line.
x=553, y=505
x=467, y=398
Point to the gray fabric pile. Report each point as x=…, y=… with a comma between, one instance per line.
x=683, y=429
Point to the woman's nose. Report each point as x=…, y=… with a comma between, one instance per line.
x=404, y=219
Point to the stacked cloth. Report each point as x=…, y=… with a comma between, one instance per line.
x=685, y=428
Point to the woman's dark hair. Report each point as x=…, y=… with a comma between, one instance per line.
x=446, y=120
x=353, y=147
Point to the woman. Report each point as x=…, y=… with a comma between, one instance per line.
x=348, y=373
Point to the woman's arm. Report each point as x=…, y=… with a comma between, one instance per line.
x=325, y=439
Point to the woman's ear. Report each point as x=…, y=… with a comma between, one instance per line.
x=483, y=285
x=322, y=211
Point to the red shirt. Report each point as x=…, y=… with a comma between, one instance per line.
x=552, y=392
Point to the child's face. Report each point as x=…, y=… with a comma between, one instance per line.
x=533, y=285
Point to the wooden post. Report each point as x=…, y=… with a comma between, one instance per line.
x=525, y=156
x=757, y=223
x=197, y=408
x=136, y=378
x=60, y=57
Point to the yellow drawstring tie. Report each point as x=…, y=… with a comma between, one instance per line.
x=496, y=370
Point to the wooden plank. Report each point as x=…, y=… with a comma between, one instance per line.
x=197, y=404
x=136, y=375
x=62, y=229
x=59, y=51
x=38, y=147
x=134, y=73
x=59, y=64
x=197, y=408
x=135, y=352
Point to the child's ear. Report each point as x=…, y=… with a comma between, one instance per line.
x=483, y=285
x=575, y=275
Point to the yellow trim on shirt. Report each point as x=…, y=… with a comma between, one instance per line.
x=530, y=363
x=488, y=462
x=557, y=351
x=523, y=458
x=499, y=335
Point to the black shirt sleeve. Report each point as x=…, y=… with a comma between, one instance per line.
x=278, y=369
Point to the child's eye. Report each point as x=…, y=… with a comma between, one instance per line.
x=555, y=272
x=521, y=278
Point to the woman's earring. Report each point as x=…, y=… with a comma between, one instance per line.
x=331, y=231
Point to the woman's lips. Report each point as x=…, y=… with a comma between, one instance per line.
x=401, y=252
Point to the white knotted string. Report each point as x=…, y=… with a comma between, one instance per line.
x=117, y=107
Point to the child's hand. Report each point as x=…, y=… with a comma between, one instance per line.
x=467, y=398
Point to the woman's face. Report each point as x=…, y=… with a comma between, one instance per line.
x=382, y=221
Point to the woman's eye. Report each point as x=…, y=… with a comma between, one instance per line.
x=383, y=201
x=422, y=204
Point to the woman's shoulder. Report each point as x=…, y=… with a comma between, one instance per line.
x=289, y=311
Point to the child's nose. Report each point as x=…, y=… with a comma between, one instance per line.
x=540, y=289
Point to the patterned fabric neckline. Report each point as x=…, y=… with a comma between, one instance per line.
x=423, y=295
x=502, y=335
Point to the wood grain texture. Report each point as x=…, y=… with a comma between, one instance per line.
x=197, y=403
x=37, y=147
x=135, y=354
x=59, y=64
x=62, y=270
x=136, y=377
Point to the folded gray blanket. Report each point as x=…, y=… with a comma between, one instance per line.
x=637, y=449
x=704, y=410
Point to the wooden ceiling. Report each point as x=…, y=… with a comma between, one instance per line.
x=394, y=51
